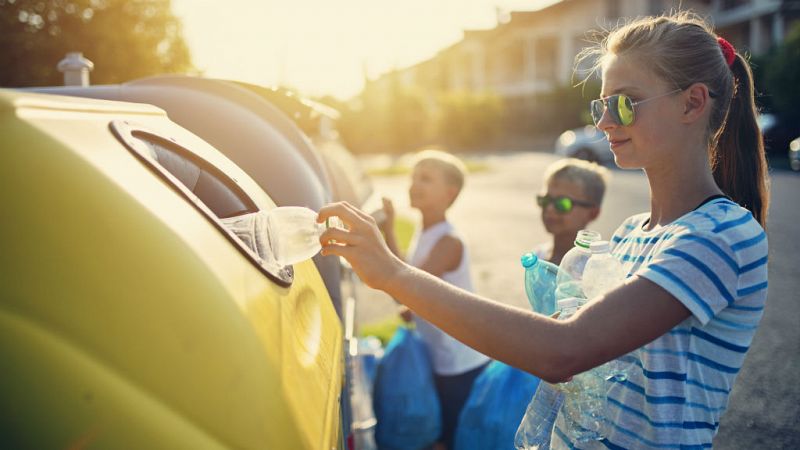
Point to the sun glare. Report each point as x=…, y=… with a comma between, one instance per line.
x=326, y=47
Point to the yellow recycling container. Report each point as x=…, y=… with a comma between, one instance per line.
x=131, y=315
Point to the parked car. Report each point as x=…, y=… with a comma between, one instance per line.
x=587, y=143
x=777, y=133
x=794, y=154
x=134, y=312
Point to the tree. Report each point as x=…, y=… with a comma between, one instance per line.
x=781, y=73
x=470, y=120
x=126, y=39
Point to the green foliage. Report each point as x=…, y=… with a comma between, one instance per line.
x=386, y=119
x=781, y=72
x=403, y=231
x=400, y=119
x=409, y=119
x=563, y=108
x=125, y=39
x=469, y=120
x=383, y=329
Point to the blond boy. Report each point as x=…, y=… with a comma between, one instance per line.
x=572, y=194
x=436, y=181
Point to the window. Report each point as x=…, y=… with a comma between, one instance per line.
x=218, y=197
x=546, y=50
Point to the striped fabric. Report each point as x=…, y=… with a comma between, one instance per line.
x=714, y=261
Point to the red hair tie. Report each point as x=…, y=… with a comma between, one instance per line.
x=727, y=51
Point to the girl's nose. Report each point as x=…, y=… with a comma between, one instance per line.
x=606, y=122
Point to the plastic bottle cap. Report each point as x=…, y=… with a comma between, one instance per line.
x=586, y=237
x=571, y=302
x=600, y=247
x=529, y=259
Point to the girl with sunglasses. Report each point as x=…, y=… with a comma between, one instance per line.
x=677, y=103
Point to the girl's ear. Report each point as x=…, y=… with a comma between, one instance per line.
x=696, y=102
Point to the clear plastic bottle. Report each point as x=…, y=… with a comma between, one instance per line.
x=537, y=424
x=585, y=394
x=294, y=233
x=583, y=407
x=540, y=283
x=568, y=306
x=602, y=272
x=570, y=271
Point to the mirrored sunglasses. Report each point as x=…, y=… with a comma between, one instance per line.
x=620, y=107
x=562, y=205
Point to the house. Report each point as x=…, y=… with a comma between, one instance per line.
x=534, y=52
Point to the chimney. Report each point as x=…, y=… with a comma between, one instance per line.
x=76, y=69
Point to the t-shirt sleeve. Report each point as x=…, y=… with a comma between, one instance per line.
x=699, y=269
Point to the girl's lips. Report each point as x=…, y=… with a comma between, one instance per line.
x=617, y=142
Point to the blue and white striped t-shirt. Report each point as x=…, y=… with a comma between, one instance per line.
x=714, y=261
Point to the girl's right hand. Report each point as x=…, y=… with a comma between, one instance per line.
x=361, y=244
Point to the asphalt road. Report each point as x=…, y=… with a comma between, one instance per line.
x=498, y=218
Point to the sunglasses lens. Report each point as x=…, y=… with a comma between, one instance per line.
x=596, y=107
x=541, y=200
x=624, y=108
x=620, y=108
x=613, y=108
x=563, y=204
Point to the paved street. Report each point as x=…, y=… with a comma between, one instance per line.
x=499, y=220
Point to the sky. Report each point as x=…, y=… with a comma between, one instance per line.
x=326, y=47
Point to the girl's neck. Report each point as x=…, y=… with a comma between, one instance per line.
x=678, y=188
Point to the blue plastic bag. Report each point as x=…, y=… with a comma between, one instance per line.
x=494, y=408
x=404, y=397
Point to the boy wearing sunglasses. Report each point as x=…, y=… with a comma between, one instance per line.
x=573, y=193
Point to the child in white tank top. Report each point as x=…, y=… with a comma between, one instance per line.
x=436, y=182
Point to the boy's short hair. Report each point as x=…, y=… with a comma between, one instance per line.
x=453, y=168
x=591, y=176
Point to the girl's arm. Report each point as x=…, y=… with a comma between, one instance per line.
x=624, y=319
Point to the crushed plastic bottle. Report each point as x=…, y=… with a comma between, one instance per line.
x=294, y=233
x=537, y=424
x=582, y=400
x=585, y=395
x=540, y=283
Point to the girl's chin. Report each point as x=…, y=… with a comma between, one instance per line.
x=624, y=161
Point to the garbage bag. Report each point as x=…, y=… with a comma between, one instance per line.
x=404, y=397
x=494, y=408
